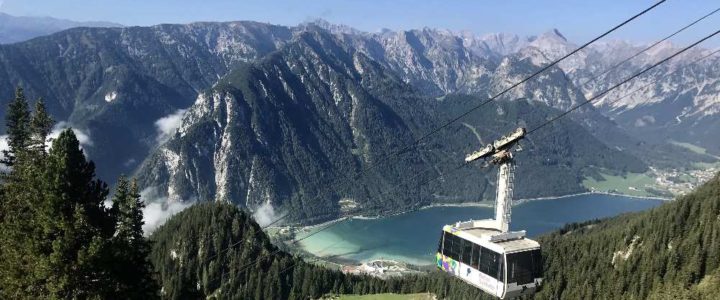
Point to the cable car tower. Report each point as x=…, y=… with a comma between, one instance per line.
x=485, y=253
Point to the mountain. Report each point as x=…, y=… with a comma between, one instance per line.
x=280, y=130
x=501, y=43
x=440, y=62
x=434, y=61
x=115, y=84
x=296, y=131
x=669, y=252
x=17, y=29
x=137, y=83
x=674, y=102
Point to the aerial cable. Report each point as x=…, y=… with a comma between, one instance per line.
x=597, y=76
x=658, y=79
x=622, y=82
x=535, y=74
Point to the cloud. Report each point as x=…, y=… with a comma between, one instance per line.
x=158, y=209
x=155, y=214
x=130, y=162
x=3, y=146
x=265, y=214
x=168, y=125
x=82, y=137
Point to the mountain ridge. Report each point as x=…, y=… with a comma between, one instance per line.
x=14, y=29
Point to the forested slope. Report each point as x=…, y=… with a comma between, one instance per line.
x=216, y=250
x=670, y=252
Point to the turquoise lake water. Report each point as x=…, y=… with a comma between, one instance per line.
x=413, y=237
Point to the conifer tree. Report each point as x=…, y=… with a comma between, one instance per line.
x=40, y=126
x=57, y=239
x=134, y=277
x=20, y=238
x=18, y=132
x=76, y=222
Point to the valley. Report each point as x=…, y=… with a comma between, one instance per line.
x=315, y=160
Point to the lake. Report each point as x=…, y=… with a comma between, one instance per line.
x=412, y=237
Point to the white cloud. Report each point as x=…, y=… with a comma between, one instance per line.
x=110, y=97
x=158, y=209
x=166, y=126
x=82, y=137
x=155, y=214
x=265, y=214
x=130, y=162
x=3, y=146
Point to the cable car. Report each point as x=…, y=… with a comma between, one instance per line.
x=485, y=253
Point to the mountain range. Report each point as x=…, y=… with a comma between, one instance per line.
x=15, y=29
x=293, y=117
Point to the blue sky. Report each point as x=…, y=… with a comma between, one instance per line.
x=578, y=20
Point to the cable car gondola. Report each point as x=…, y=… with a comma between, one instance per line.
x=485, y=253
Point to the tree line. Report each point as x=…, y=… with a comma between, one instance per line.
x=58, y=238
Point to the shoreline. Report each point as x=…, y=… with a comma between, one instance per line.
x=342, y=262
x=476, y=204
x=526, y=200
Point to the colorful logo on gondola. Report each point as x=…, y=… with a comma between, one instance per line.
x=445, y=263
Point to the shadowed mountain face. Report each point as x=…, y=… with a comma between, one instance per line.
x=297, y=129
x=17, y=29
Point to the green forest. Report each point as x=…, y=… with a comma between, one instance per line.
x=669, y=252
x=66, y=235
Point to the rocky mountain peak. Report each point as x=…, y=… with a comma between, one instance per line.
x=552, y=39
x=504, y=43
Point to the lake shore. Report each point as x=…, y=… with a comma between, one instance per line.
x=387, y=238
x=488, y=204
x=526, y=200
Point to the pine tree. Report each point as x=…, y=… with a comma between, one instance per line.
x=21, y=240
x=134, y=277
x=18, y=131
x=57, y=239
x=76, y=222
x=40, y=126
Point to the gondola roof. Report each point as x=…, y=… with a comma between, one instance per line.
x=483, y=235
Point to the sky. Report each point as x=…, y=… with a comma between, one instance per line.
x=578, y=20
